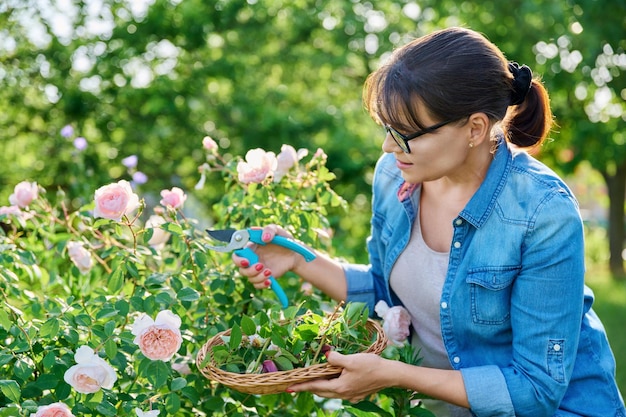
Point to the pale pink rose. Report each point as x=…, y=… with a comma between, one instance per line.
x=16, y=212
x=115, y=200
x=209, y=144
x=54, y=410
x=159, y=236
x=151, y=413
x=320, y=154
x=158, y=339
x=286, y=159
x=80, y=256
x=10, y=210
x=396, y=322
x=91, y=372
x=182, y=368
x=174, y=198
x=24, y=193
x=257, y=166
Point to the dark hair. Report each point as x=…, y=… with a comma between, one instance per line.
x=455, y=72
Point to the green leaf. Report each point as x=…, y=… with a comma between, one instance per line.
x=49, y=328
x=109, y=327
x=11, y=390
x=235, y=338
x=188, y=294
x=107, y=409
x=157, y=373
x=5, y=320
x=172, y=403
x=110, y=348
x=248, y=325
x=116, y=281
x=178, y=384
x=283, y=363
x=172, y=228
x=47, y=381
x=366, y=408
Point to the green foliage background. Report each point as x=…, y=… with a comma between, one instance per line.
x=267, y=72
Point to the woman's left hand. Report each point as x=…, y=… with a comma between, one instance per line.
x=363, y=374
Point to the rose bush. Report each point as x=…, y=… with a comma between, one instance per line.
x=105, y=307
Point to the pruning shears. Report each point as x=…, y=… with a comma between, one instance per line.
x=237, y=240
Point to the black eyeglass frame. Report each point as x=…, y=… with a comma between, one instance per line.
x=403, y=140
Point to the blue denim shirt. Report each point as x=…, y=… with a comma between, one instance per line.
x=516, y=316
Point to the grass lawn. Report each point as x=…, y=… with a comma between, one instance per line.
x=610, y=305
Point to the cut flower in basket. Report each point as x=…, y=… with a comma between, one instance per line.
x=268, y=352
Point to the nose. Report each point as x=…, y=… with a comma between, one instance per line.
x=389, y=144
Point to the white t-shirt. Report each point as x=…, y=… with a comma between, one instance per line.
x=417, y=278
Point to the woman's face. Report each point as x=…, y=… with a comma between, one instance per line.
x=441, y=153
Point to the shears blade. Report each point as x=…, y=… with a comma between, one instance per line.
x=223, y=235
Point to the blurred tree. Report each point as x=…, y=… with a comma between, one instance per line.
x=152, y=77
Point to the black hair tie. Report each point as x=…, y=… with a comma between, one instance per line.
x=522, y=80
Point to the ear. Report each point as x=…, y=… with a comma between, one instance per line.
x=479, y=128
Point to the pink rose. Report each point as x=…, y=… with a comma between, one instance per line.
x=258, y=166
x=396, y=322
x=174, y=198
x=115, y=200
x=158, y=339
x=90, y=373
x=24, y=194
x=80, y=256
x=54, y=410
x=159, y=236
x=209, y=144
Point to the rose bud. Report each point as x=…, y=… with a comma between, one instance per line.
x=326, y=348
x=269, y=366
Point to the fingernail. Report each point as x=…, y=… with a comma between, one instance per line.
x=327, y=353
x=290, y=391
x=245, y=264
x=267, y=272
x=259, y=267
x=268, y=283
x=266, y=237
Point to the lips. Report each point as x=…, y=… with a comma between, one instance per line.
x=402, y=165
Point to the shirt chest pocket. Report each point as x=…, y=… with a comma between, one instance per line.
x=490, y=294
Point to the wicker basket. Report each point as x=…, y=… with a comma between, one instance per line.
x=276, y=382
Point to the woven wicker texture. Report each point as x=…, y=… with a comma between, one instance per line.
x=276, y=382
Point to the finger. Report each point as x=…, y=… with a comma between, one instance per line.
x=268, y=233
x=240, y=261
x=318, y=386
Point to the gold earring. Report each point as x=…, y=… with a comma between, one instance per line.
x=471, y=144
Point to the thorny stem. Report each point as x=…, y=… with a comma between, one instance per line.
x=323, y=339
x=260, y=357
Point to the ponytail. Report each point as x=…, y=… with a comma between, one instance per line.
x=528, y=123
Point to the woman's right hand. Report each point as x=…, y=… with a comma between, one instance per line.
x=274, y=260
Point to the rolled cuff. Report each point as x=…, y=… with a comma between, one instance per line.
x=487, y=392
x=360, y=285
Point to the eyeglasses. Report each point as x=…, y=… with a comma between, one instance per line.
x=403, y=140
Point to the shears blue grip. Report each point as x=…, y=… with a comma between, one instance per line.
x=255, y=236
x=274, y=285
x=238, y=241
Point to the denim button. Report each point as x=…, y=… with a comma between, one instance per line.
x=556, y=347
x=444, y=305
x=456, y=359
x=458, y=222
x=457, y=244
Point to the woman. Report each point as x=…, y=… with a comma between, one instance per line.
x=481, y=243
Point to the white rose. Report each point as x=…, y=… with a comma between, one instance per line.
x=90, y=373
